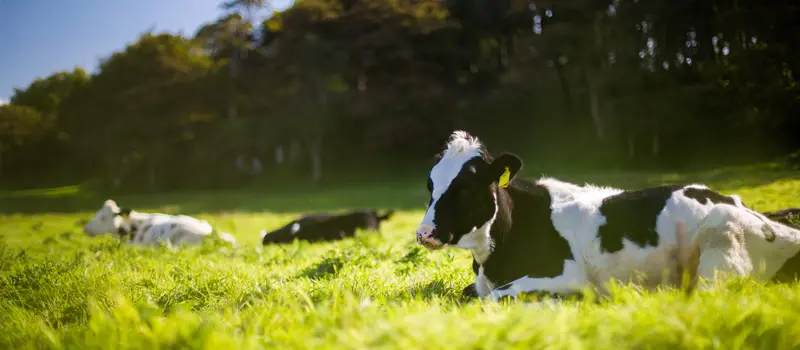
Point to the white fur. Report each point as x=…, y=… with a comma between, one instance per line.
x=731, y=239
x=570, y=281
x=460, y=149
x=482, y=285
x=152, y=228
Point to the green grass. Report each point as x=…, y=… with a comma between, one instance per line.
x=61, y=289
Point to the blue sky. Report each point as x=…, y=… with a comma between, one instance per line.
x=39, y=37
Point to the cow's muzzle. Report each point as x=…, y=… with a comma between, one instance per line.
x=426, y=236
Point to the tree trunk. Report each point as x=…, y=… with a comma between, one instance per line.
x=151, y=174
x=295, y=149
x=565, y=89
x=1, y=158
x=631, y=146
x=315, y=153
x=655, y=148
x=594, y=104
x=232, y=73
x=255, y=161
x=279, y=157
x=503, y=53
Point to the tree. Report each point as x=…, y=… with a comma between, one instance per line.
x=148, y=98
x=19, y=126
x=46, y=95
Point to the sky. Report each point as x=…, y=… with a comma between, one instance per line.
x=40, y=37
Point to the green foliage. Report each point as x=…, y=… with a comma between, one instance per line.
x=61, y=289
x=19, y=125
x=343, y=82
x=46, y=95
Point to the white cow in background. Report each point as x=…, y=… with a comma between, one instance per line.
x=150, y=228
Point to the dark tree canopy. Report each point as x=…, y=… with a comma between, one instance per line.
x=348, y=85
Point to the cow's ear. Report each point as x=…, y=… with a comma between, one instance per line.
x=503, y=169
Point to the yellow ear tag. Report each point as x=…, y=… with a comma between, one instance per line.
x=504, y=178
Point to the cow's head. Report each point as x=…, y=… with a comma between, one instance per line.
x=463, y=185
x=107, y=220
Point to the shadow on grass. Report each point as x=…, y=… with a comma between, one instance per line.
x=409, y=194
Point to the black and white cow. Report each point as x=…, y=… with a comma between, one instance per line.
x=151, y=228
x=326, y=227
x=556, y=237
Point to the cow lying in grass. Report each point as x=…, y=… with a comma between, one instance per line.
x=557, y=238
x=326, y=227
x=150, y=228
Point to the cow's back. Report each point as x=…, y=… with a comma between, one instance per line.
x=637, y=231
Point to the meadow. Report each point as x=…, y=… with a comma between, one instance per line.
x=62, y=289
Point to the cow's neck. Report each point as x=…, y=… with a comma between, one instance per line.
x=487, y=235
x=130, y=225
x=126, y=229
x=533, y=247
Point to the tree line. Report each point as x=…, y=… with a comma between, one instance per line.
x=345, y=85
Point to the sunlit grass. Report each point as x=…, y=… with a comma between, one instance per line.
x=61, y=289
x=52, y=192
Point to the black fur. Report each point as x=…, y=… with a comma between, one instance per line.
x=469, y=292
x=705, y=195
x=328, y=227
x=632, y=215
x=525, y=241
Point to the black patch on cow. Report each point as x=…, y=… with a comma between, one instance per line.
x=789, y=272
x=172, y=226
x=328, y=227
x=505, y=286
x=704, y=195
x=122, y=233
x=632, y=215
x=525, y=241
x=469, y=292
x=475, y=266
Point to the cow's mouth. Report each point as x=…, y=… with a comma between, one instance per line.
x=433, y=243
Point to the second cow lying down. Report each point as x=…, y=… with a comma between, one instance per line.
x=326, y=227
x=151, y=228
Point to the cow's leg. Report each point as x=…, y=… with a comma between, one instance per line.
x=571, y=281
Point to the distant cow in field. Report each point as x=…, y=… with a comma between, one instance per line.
x=555, y=237
x=326, y=227
x=150, y=228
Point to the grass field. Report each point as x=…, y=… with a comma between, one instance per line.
x=61, y=289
